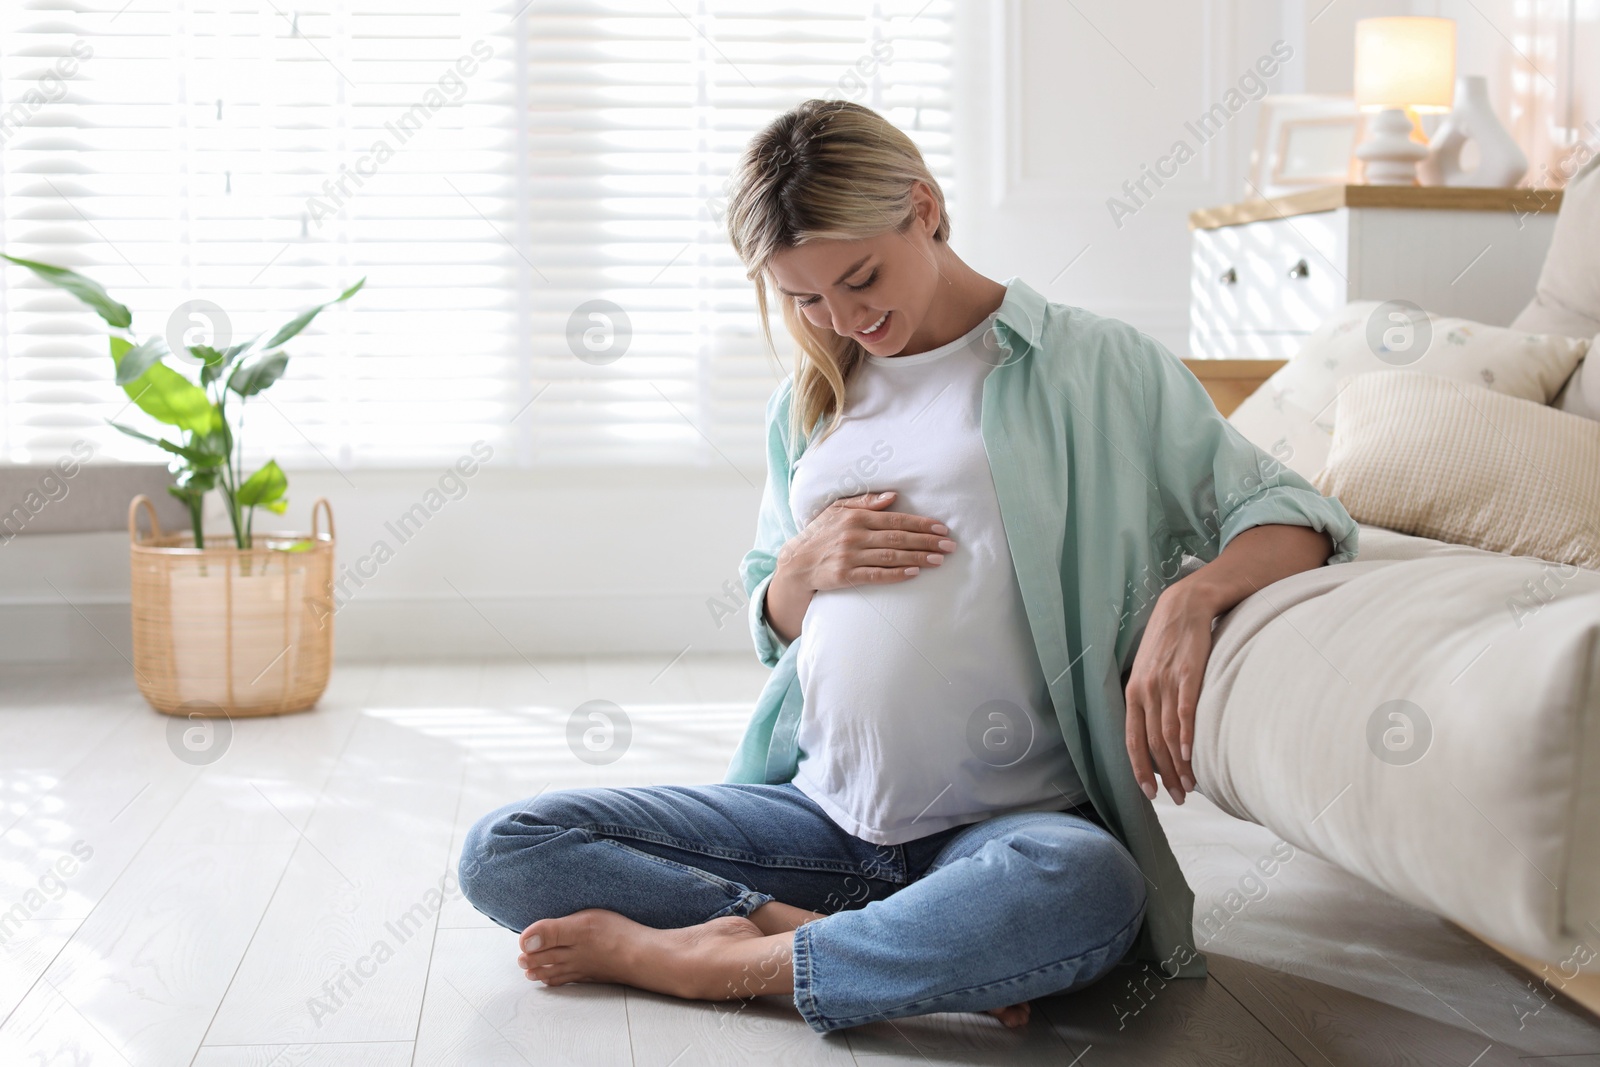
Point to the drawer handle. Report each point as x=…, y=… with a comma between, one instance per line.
x=1229, y=277
x=1299, y=270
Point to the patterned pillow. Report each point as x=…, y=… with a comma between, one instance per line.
x=1292, y=412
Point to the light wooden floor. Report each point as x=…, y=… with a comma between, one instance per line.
x=218, y=899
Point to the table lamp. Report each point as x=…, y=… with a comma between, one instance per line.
x=1403, y=62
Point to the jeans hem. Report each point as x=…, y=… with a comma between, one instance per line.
x=742, y=905
x=822, y=1023
x=805, y=1000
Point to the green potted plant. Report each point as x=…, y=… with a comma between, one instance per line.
x=243, y=627
x=209, y=454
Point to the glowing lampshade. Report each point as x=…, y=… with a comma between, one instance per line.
x=1405, y=62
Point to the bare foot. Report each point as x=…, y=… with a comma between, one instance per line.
x=724, y=959
x=775, y=917
x=1014, y=1016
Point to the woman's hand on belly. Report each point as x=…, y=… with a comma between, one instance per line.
x=858, y=541
x=854, y=541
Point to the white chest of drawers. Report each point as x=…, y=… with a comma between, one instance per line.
x=1265, y=273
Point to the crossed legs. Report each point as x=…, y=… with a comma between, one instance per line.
x=674, y=890
x=723, y=959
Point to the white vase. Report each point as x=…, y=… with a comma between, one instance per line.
x=1500, y=161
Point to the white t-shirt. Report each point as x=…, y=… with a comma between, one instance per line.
x=924, y=703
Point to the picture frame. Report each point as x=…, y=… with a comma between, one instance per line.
x=1304, y=141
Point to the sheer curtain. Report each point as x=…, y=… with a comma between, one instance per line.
x=532, y=190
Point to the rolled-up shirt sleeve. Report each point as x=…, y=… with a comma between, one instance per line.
x=769, y=646
x=1211, y=481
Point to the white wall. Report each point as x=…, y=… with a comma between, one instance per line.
x=1066, y=102
x=1059, y=105
x=530, y=563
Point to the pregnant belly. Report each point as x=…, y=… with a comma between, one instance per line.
x=881, y=625
x=914, y=710
x=872, y=649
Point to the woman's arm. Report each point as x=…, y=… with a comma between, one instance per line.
x=786, y=602
x=1257, y=557
x=1211, y=488
x=774, y=526
x=1164, y=686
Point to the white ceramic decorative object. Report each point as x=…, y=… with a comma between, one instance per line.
x=1405, y=64
x=1391, y=156
x=1500, y=161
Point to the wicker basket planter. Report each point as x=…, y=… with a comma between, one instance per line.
x=230, y=631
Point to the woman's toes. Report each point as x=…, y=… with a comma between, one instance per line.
x=1013, y=1015
x=544, y=957
x=544, y=934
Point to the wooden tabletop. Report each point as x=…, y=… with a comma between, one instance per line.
x=1331, y=197
x=1229, y=381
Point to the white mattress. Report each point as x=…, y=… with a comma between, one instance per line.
x=1492, y=821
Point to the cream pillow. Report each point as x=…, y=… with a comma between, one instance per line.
x=1294, y=407
x=1457, y=462
x=1567, y=300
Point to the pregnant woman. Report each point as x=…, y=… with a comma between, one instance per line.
x=970, y=578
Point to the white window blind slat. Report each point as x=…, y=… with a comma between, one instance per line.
x=262, y=159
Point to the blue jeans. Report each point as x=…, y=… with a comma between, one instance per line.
x=969, y=918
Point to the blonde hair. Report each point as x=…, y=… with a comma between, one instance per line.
x=825, y=170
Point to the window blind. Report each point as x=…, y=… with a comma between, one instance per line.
x=534, y=193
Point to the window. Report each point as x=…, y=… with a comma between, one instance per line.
x=505, y=181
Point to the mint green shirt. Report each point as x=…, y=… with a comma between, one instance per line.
x=1110, y=464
